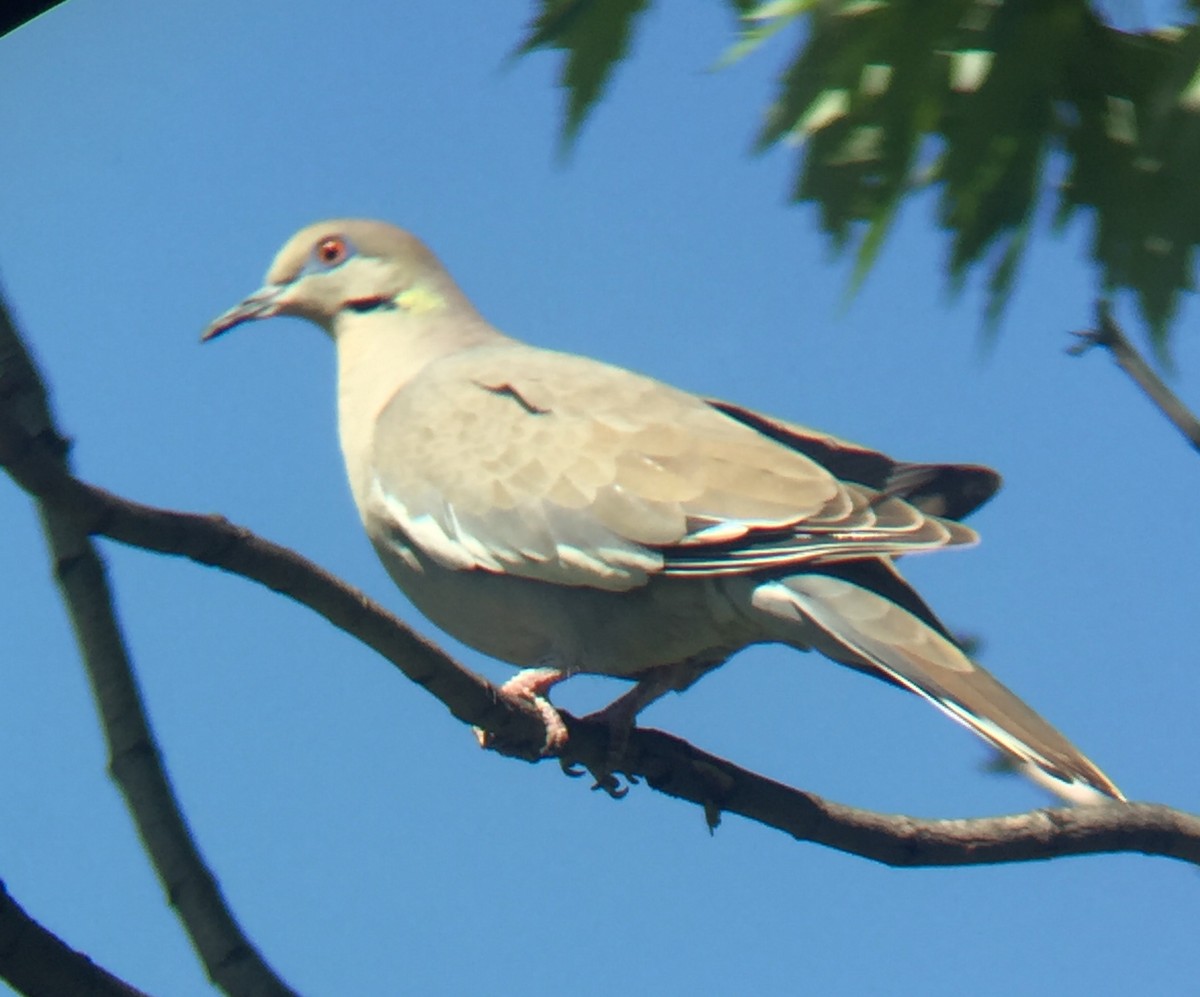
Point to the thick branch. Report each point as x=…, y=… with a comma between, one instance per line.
x=1110, y=336
x=229, y=957
x=34, y=960
x=15, y=13
x=668, y=764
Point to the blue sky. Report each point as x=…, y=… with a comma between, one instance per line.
x=158, y=155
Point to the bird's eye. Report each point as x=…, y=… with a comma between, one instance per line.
x=331, y=251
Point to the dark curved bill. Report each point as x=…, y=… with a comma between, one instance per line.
x=263, y=303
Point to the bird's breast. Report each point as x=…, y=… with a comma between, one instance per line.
x=527, y=622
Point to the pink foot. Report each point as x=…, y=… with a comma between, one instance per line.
x=530, y=685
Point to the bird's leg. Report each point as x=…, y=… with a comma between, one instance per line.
x=530, y=685
x=621, y=714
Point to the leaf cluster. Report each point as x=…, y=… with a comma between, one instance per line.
x=1000, y=107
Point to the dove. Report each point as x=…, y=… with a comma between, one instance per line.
x=569, y=516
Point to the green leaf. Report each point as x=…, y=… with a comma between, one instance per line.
x=864, y=95
x=760, y=22
x=997, y=129
x=1135, y=156
x=595, y=36
x=1000, y=282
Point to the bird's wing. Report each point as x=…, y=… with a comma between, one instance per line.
x=951, y=491
x=545, y=465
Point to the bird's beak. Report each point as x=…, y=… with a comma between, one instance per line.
x=263, y=303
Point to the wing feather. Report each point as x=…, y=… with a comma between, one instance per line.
x=545, y=465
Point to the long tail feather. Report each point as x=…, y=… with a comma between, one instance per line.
x=875, y=633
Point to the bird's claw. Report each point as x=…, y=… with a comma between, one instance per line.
x=605, y=781
x=610, y=784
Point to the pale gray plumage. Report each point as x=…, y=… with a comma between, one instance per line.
x=569, y=516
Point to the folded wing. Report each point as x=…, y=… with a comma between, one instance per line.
x=560, y=468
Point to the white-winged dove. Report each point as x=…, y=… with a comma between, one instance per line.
x=570, y=516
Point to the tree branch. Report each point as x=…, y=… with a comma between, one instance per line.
x=33, y=443
x=667, y=764
x=15, y=13
x=675, y=767
x=34, y=960
x=1109, y=335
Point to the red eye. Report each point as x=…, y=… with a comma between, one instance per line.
x=332, y=251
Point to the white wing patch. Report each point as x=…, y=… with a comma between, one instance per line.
x=551, y=549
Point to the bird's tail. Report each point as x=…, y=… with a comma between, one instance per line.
x=865, y=615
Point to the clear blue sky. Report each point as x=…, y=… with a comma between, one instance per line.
x=157, y=155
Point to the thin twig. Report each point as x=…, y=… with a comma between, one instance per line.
x=1108, y=334
x=229, y=957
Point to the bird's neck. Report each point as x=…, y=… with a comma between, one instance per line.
x=379, y=352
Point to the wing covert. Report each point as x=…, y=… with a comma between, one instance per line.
x=512, y=459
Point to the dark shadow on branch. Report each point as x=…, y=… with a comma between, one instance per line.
x=666, y=763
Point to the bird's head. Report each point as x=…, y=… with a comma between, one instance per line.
x=343, y=266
